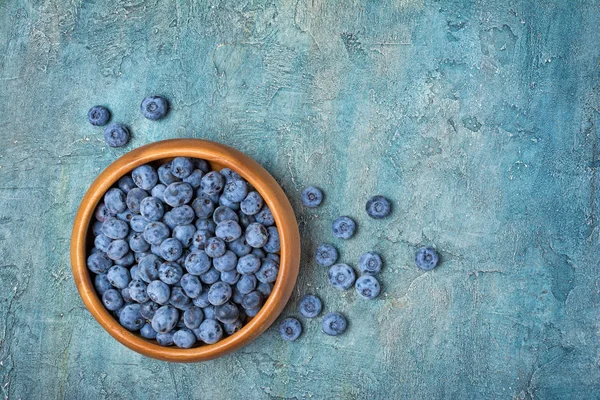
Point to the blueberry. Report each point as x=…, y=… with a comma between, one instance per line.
x=197, y=263
x=259, y=253
x=226, y=262
x=219, y=293
x=211, y=276
x=101, y=242
x=179, y=299
x=116, y=135
x=170, y=273
x=290, y=329
x=164, y=339
x=378, y=207
x=178, y=194
x=117, y=249
x=102, y=212
x=334, y=324
x=252, y=203
x=148, y=268
x=137, y=291
x=257, y=235
x=215, y=247
x=182, y=215
x=312, y=197
x=370, y=263
x=159, y=292
x=268, y=271
x=158, y=191
x=343, y=228
x=223, y=201
x=264, y=288
x=126, y=297
x=102, y=284
x=252, y=300
x=426, y=258
x=265, y=216
x=115, y=228
x=326, y=255
x=246, y=284
x=203, y=206
x=126, y=184
x=310, y=306
x=273, y=244
x=234, y=327
x=134, y=198
x=115, y=200
x=112, y=300
x=147, y=332
x=212, y=183
x=191, y=285
x=248, y=264
x=202, y=300
x=152, y=208
x=171, y=249
x=98, y=116
x=230, y=175
x=341, y=276
x=367, y=287
x=192, y=317
x=165, y=174
x=201, y=164
x=145, y=177
x=148, y=309
x=210, y=331
x=245, y=220
x=165, y=319
x=137, y=242
x=130, y=317
x=154, y=107
x=155, y=232
x=184, y=234
x=206, y=225
x=194, y=179
x=97, y=228
x=223, y=213
x=228, y=230
x=230, y=277
x=182, y=167
x=227, y=313
x=138, y=223
x=240, y=247
x=235, y=190
x=127, y=260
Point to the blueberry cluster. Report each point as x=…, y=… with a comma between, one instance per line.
x=184, y=254
x=117, y=134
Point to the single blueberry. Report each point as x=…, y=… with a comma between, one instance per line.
x=164, y=339
x=99, y=263
x=148, y=268
x=227, y=313
x=137, y=291
x=101, y=242
x=138, y=223
x=378, y=207
x=235, y=190
x=211, y=276
x=264, y=288
x=248, y=264
x=273, y=244
x=112, y=300
x=192, y=317
x=201, y=164
x=127, y=260
x=165, y=319
x=223, y=201
x=147, y=332
x=117, y=249
x=170, y=273
x=178, y=194
x=165, y=174
x=230, y=277
x=426, y=258
x=154, y=107
x=312, y=197
x=341, y=276
x=203, y=206
x=126, y=184
x=130, y=317
x=145, y=177
x=202, y=300
x=209, y=332
x=265, y=216
x=223, y=213
x=134, y=198
x=115, y=200
x=116, y=135
x=240, y=247
x=115, y=228
x=159, y=292
x=97, y=228
x=246, y=284
x=98, y=116
x=232, y=328
x=179, y=299
x=137, y=243
x=310, y=306
x=191, y=285
x=194, y=179
x=219, y=293
x=155, y=232
x=257, y=235
x=215, y=247
x=152, y=208
x=212, y=183
x=252, y=300
x=268, y=271
x=252, y=203
x=370, y=263
x=102, y=212
x=148, y=309
x=228, y=230
x=343, y=227
x=326, y=255
x=182, y=167
x=206, y=225
x=230, y=175
x=226, y=262
x=184, y=234
x=290, y=329
x=334, y=324
x=171, y=249
x=158, y=191
x=367, y=286
x=102, y=284
x=197, y=263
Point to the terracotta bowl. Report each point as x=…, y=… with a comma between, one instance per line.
x=219, y=156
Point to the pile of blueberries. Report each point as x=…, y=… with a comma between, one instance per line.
x=184, y=254
x=341, y=276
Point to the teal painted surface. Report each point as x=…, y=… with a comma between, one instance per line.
x=479, y=119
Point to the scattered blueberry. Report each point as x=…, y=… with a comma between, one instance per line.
x=326, y=255
x=343, y=227
x=310, y=306
x=341, y=276
x=116, y=135
x=312, y=197
x=426, y=258
x=378, y=207
x=367, y=286
x=290, y=329
x=154, y=107
x=334, y=324
x=370, y=263
x=98, y=116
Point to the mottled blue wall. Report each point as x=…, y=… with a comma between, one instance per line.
x=480, y=119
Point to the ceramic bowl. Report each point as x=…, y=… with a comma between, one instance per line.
x=219, y=156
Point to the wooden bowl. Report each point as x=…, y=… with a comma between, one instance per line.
x=218, y=156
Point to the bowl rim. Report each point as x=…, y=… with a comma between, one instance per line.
x=225, y=156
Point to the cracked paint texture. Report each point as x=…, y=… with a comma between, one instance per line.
x=480, y=120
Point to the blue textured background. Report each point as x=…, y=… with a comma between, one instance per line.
x=480, y=119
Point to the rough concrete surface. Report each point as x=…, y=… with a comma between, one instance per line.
x=480, y=119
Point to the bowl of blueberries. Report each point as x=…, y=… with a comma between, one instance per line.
x=185, y=250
